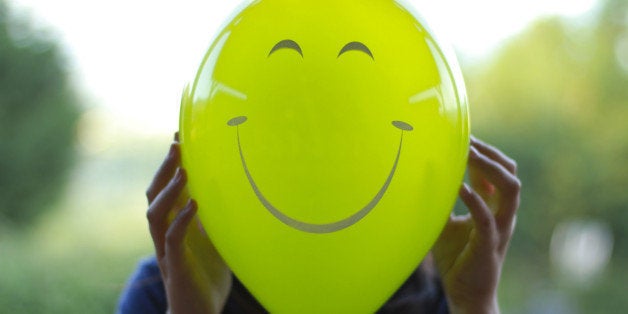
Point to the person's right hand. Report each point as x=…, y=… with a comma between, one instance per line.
x=195, y=277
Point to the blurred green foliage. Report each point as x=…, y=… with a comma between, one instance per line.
x=77, y=257
x=38, y=114
x=555, y=98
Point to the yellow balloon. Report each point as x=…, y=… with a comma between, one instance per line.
x=325, y=142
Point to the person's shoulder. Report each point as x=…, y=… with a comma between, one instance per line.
x=144, y=291
x=148, y=266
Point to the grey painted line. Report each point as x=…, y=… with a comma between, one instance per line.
x=311, y=227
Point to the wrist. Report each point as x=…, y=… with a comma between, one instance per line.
x=478, y=307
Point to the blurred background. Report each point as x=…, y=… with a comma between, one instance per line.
x=89, y=95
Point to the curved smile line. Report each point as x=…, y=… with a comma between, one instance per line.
x=326, y=227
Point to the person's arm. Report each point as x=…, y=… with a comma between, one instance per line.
x=470, y=251
x=193, y=283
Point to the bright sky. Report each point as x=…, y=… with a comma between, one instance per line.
x=133, y=57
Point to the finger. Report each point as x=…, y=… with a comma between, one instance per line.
x=480, y=184
x=506, y=217
x=177, y=231
x=165, y=172
x=507, y=232
x=176, y=136
x=158, y=210
x=482, y=217
x=495, y=154
x=505, y=182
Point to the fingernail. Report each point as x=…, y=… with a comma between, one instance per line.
x=180, y=175
x=176, y=136
x=172, y=150
x=190, y=206
x=464, y=189
x=473, y=152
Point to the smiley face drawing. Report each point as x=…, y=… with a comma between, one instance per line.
x=327, y=227
x=325, y=141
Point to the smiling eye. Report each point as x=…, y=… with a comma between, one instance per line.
x=358, y=46
x=286, y=44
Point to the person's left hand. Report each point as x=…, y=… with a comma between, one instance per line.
x=471, y=249
x=195, y=277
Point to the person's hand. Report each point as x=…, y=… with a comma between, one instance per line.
x=195, y=277
x=471, y=249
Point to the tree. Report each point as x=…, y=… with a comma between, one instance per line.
x=38, y=115
x=556, y=99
